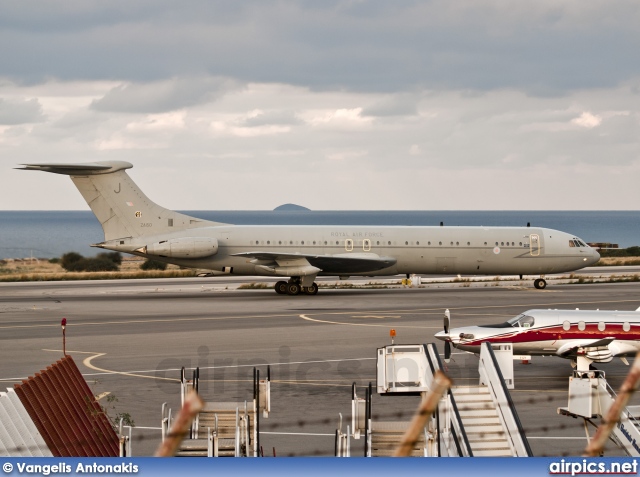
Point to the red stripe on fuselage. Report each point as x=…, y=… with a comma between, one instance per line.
x=557, y=332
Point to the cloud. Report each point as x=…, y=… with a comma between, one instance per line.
x=587, y=120
x=544, y=47
x=162, y=96
x=20, y=111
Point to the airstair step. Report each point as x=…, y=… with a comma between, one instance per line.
x=389, y=452
x=481, y=421
x=478, y=442
x=483, y=428
x=480, y=437
x=477, y=389
x=502, y=452
x=389, y=426
x=468, y=397
x=479, y=411
x=481, y=433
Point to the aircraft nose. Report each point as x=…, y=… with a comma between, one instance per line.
x=595, y=257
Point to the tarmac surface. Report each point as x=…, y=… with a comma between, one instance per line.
x=131, y=338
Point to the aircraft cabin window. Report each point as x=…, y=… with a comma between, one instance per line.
x=522, y=321
x=502, y=244
x=440, y=243
x=314, y=242
x=417, y=243
x=601, y=326
x=378, y=242
x=457, y=243
x=428, y=243
x=325, y=242
x=451, y=243
x=521, y=244
x=268, y=242
x=485, y=243
x=302, y=243
x=468, y=243
x=257, y=242
x=279, y=242
x=626, y=326
x=497, y=244
x=581, y=325
x=290, y=242
x=406, y=243
x=388, y=243
x=566, y=326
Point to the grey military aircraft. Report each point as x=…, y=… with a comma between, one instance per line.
x=133, y=224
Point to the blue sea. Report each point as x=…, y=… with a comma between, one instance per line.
x=47, y=234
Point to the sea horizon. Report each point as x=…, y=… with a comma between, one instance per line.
x=51, y=233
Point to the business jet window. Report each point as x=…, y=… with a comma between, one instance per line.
x=522, y=321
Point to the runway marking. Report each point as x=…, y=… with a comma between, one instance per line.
x=379, y=317
x=88, y=364
x=296, y=434
x=415, y=311
x=134, y=373
x=316, y=320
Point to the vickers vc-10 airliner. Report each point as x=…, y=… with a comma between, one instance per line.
x=134, y=224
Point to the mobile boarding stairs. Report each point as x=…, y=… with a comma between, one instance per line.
x=477, y=420
x=223, y=429
x=590, y=397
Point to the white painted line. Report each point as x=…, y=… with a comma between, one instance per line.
x=296, y=434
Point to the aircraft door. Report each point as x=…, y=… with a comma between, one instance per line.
x=534, y=244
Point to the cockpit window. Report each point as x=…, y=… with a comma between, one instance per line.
x=582, y=243
x=572, y=243
x=522, y=321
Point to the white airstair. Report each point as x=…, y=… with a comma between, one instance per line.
x=478, y=420
x=590, y=398
x=223, y=429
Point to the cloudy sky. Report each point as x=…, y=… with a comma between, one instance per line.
x=470, y=104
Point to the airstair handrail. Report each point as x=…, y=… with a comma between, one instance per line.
x=504, y=403
x=457, y=426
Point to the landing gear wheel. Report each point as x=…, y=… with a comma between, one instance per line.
x=293, y=289
x=540, y=283
x=312, y=290
x=281, y=287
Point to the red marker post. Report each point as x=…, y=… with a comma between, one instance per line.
x=63, y=323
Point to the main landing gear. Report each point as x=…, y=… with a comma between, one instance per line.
x=293, y=287
x=540, y=283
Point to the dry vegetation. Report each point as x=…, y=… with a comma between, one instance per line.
x=617, y=261
x=19, y=270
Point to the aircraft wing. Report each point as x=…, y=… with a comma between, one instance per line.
x=571, y=348
x=331, y=264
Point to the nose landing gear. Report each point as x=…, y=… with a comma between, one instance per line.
x=540, y=283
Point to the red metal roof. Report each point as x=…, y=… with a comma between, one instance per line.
x=64, y=410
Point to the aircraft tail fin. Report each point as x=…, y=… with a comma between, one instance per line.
x=118, y=203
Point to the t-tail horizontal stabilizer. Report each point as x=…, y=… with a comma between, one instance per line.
x=124, y=211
